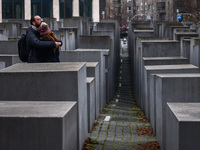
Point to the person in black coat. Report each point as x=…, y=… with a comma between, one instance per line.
x=47, y=35
x=39, y=49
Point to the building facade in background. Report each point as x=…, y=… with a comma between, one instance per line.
x=59, y=9
x=167, y=10
x=122, y=10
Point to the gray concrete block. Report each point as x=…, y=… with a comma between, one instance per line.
x=173, y=88
x=152, y=48
x=183, y=126
x=103, y=42
x=9, y=47
x=169, y=30
x=2, y=65
x=90, y=55
x=11, y=29
x=91, y=101
x=147, y=61
x=38, y=125
x=194, y=51
x=9, y=59
x=95, y=42
x=48, y=82
x=113, y=58
x=148, y=90
x=69, y=38
x=178, y=35
x=93, y=71
x=185, y=47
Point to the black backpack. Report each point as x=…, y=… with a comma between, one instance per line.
x=22, y=51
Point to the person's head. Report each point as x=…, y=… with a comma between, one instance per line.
x=36, y=20
x=44, y=28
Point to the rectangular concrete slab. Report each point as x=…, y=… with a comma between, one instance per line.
x=90, y=55
x=182, y=126
x=152, y=48
x=145, y=87
x=91, y=101
x=2, y=65
x=147, y=61
x=9, y=47
x=48, y=82
x=108, y=74
x=38, y=125
x=194, y=51
x=173, y=88
x=185, y=47
x=93, y=71
x=156, y=61
x=9, y=59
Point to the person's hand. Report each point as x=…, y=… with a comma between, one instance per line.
x=57, y=44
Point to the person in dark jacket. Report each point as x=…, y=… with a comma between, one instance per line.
x=39, y=49
x=47, y=35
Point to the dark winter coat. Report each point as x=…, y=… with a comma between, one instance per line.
x=40, y=51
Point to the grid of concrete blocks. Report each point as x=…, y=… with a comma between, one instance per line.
x=54, y=105
x=165, y=61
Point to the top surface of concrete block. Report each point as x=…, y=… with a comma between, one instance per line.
x=106, y=51
x=163, y=58
x=195, y=38
x=181, y=75
x=187, y=40
x=44, y=67
x=61, y=28
x=177, y=27
x=159, y=41
x=34, y=109
x=187, y=33
x=90, y=79
x=144, y=30
x=8, y=54
x=164, y=67
x=91, y=64
x=186, y=111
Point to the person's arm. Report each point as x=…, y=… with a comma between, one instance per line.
x=35, y=42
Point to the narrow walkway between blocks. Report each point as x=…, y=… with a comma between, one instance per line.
x=128, y=128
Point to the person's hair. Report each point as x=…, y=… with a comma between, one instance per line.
x=32, y=19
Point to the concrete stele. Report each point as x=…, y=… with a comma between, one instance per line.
x=38, y=125
x=173, y=88
x=48, y=82
x=183, y=126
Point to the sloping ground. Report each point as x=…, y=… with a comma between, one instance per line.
x=128, y=128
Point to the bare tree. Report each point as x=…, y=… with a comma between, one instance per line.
x=119, y=12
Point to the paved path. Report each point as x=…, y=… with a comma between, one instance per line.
x=127, y=129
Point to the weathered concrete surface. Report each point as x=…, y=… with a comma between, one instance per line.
x=38, y=125
x=147, y=61
x=90, y=55
x=48, y=82
x=195, y=51
x=173, y=88
x=91, y=101
x=149, y=104
x=145, y=87
x=183, y=126
x=93, y=71
x=132, y=45
x=113, y=56
x=152, y=48
x=10, y=59
x=185, y=47
x=2, y=65
x=69, y=38
x=11, y=29
x=8, y=47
